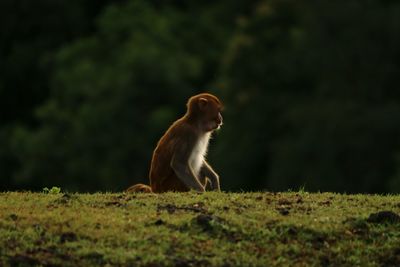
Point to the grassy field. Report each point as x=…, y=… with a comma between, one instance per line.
x=190, y=229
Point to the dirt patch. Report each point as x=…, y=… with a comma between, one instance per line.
x=68, y=237
x=283, y=210
x=325, y=203
x=299, y=200
x=384, y=217
x=284, y=201
x=225, y=208
x=284, y=206
x=159, y=222
x=120, y=201
x=171, y=208
x=130, y=197
x=122, y=197
x=13, y=217
x=259, y=198
x=269, y=200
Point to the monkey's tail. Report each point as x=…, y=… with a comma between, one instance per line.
x=139, y=188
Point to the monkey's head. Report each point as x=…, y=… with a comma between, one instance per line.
x=205, y=109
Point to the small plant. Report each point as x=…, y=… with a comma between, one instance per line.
x=53, y=190
x=302, y=189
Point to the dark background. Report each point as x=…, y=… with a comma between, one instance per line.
x=311, y=90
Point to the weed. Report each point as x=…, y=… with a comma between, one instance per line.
x=53, y=190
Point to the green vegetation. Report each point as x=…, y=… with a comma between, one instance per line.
x=310, y=88
x=189, y=229
x=53, y=190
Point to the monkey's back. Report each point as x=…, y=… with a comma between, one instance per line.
x=162, y=177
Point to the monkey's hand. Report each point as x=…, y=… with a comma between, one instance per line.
x=211, y=175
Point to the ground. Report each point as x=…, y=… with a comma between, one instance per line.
x=190, y=229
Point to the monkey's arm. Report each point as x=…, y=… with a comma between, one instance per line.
x=179, y=163
x=212, y=175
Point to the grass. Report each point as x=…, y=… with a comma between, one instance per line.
x=189, y=229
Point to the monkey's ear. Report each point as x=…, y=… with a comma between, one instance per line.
x=203, y=102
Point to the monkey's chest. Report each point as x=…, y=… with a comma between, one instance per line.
x=198, y=153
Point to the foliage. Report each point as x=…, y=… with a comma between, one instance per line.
x=53, y=190
x=211, y=229
x=112, y=96
x=309, y=89
x=99, y=118
x=31, y=34
x=312, y=85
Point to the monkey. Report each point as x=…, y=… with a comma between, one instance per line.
x=178, y=162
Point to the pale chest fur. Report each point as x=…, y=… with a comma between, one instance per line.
x=199, y=152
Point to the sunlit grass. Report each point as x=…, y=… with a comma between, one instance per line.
x=190, y=229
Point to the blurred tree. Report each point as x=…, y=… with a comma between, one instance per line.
x=30, y=33
x=314, y=96
x=113, y=95
x=309, y=88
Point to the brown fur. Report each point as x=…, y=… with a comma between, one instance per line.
x=139, y=188
x=170, y=166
